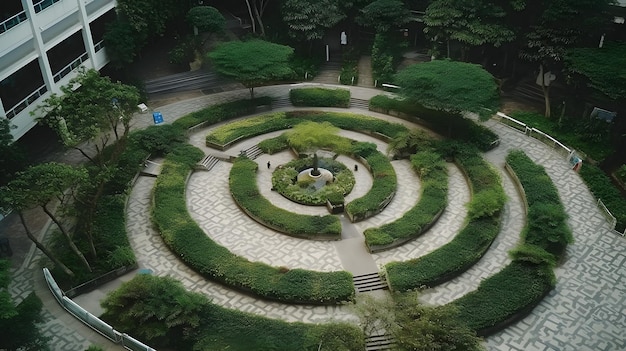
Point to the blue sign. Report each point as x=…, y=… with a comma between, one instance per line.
x=157, y=117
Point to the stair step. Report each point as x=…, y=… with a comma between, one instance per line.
x=379, y=342
x=359, y=103
x=208, y=162
x=369, y=282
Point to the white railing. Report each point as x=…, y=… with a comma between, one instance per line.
x=90, y=320
x=99, y=46
x=12, y=21
x=44, y=4
x=70, y=67
x=20, y=106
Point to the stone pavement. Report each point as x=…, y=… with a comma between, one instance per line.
x=586, y=311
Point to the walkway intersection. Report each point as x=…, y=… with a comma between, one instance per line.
x=584, y=312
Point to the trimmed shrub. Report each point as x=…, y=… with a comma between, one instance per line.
x=471, y=243
x=434, y=176
x=215, y=262
x=602, y=188
x=320, y=97
x=248, y=128
x=218, y=113
x=451, y=125
x=243, y=187
x=274, y=145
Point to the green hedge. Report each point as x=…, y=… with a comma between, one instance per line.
x=431, y=168
x=448, y=124
x=222, y=112
x=505, y=297
x=320, y=97
x=384, y=184
x=546, y=227
x=248, y=128
x=471, y=243
x=351, y=121
x=244, y=189
x=196, y=249
x=601, y=187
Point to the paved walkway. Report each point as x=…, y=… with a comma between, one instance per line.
x=584, y=312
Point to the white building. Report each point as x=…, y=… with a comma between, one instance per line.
x=42, y=43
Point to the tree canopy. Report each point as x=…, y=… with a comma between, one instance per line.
x=252, y=63
x=308, y=20
x=383, y=15
x=206, y=19
x=308, y=135
x=450, y=86
x=600, y=68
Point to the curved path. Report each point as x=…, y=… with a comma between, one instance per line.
x=584, y=312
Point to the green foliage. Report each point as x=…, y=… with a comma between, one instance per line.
x=602, y=187
x=595, y=66
x=284, y=182
x=247, y=128
x=12, y=156
x=384, y=185
x=546, y=226
x=321, y=97
x=350, y=121
x=19, y=323
x=384, y=15
x=311, y=136
x=450, y=86
x=410, y=142
x=222, y=112
x=252, y=63
x=206, y=19
x=514, y=290
x=274, y=145
x=308, y=20
x=95, y=348
x=450, y=124
x=244, y=189
x=421, y=328
x=621, y=173
x=184, y=51
x=384, y=58
x=213, y=261
x=432, y=171
x=123, y=43
x=159, y=140
x=471, y=243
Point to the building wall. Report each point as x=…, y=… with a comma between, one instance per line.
x=30, y=36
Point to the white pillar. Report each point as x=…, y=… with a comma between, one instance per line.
x=87, y=38
x=44, y=63
x=3, y=113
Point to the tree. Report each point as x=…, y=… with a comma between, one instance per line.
x=409, y=142
x=36, y=186
x=88, y=113
x=384, y=15
x=559, y=26
x=470, y=22
x=19, y=323
x=450, y=86
x=12, y=157
x=308, y=20
x=599, y=68
x=122, y=42
x=252, y=63
x=206, y=19
x=256, y=8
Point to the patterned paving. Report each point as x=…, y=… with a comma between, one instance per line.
x=586, y=311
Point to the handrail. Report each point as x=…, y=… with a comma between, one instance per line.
x=20, y=106
x=70, y=67
x=98, y=46
x=12, y=21
x=44, y=4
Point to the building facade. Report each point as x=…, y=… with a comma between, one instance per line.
x=42, y=43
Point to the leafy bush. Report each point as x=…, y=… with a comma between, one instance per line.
x=383, y=188
x=198, y=251
x=243, y=187
x=248, y=128
x=274, y=145
x=514, y=290
x=602, y=187
x=320, y=97
x=471, y=243
x=434, y=176
x=222, y=112
x=158, y=140
x=451, y=125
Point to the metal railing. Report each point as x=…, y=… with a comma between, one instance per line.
x=44, y=4
x=70, y=67
x=92, y=321
x=12, y=21
x=98, y=46
x=20, y=106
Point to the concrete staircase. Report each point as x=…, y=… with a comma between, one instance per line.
x=369, y=282
x=252, y=152
x=330, y=70
x=359, y=103
x=208, y=162
x=365, y=72
x=378, y=342
x=282, y=101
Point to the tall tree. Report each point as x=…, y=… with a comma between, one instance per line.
x=12, y=157
x=256, y=9
x=469, y=22
x=37, y=186
x=383, y=15
x=309, y=20
x=450, y=86
x=206, y=19
x=89, y=113
x=562, y=25
x=252, y=63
